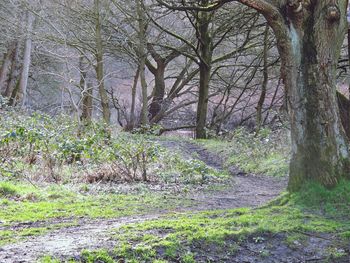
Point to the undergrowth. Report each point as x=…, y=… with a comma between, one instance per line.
x=38, y=147
x=264, y=153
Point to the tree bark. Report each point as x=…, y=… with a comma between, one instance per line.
x=23, y=81
x=5, y=68
x=142, y=53
x=344, y=109
x=205, y=43
x=309, y=37
x=99, y=65
x=264, y=84
x=14, y=71
x=86, y=93
x=131, y=123
x=309, y=57
x=159, y=90
x=86, y=115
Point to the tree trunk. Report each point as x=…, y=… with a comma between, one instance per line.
x=202, y=106
x=86, y=115
x=23, y=81
x=158, y=92
x=99, y=66
x=205, y=43
x=265, y=82
x=142, y=53
x=86, y=93
x=309, y=61
x=344, y=110
x=4, y=70
x=14, y=72
x=131, y=124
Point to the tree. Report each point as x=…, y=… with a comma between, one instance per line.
x=99, y=64
x=23, y=81
x=142, y=26
x=211, y=30
x=309, y=36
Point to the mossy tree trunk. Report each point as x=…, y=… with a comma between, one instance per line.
x=309, y=36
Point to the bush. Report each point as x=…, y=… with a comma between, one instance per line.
x=43, y=145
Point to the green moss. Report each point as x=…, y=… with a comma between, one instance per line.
x=179, y=237
x=333, y=202
x=59, y=202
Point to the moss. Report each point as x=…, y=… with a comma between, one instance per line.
x=59, y=202
x=179, y=237
x=333, y=202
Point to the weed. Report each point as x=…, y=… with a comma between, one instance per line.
x=7, y=190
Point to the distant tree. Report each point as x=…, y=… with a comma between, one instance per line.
x=309, y=37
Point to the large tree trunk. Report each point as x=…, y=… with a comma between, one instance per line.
x=99, y=66
x=319, y=146
x=309, y=37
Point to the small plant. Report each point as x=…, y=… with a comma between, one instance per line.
x=336, y=253
x=258, y=239
x=133, y=158
x=7, y=190
x=188, y=258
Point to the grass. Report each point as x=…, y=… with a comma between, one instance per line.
x=267, y=153
x=7, y=189
x=218, y=234
x=27, y=204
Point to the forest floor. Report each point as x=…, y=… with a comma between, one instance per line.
x=165, y=230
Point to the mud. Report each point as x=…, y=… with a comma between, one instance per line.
x=246, y=190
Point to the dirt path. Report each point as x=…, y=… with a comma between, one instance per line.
x=246, y=191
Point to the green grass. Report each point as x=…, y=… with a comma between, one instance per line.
x=7, y=189
x=266, y=154
x=179, y=237
x=29, y=204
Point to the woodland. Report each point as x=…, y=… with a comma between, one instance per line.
x=174, y=131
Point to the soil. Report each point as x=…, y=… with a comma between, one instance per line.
x=247, y=190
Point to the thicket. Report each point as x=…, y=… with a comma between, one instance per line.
x=39, y=147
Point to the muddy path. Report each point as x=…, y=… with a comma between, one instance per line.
x=246, y=190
